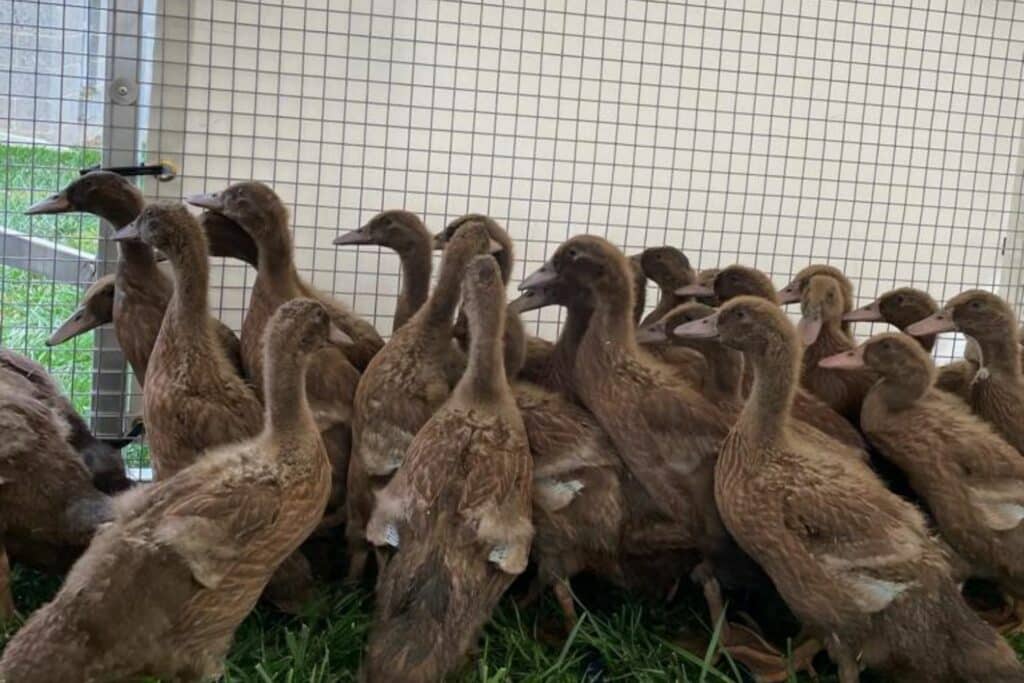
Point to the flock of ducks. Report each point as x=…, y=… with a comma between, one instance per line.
x=856, y=487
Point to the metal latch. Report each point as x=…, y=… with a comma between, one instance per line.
x=163, y=171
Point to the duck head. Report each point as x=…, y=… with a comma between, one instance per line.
x=252, y=205
x=977, y=313
x=892, y=355
x=900, y=307
x=731, y=282
x=227, y=239
x=667, y=266
x=792, y=292
x=95, y=309
x=587, y=262
x=821, y=303
x=663, y=330
x=396, y=229
x=302, y=326
x=167, y=226
x=102, y=193
x=746, y=323
x=500, y=244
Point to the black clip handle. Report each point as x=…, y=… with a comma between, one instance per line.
x=163, y=171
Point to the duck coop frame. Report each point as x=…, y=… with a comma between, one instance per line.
x=884, y=137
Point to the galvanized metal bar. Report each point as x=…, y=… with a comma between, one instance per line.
x=44, y=257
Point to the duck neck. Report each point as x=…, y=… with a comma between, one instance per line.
x=901, y=390
x=725, y=367
x=138, y=260
x=766, y=412
x=612, y=320
x=191, y=282
x=485, y=370
x=121, y=213
x=439, y=309
x=1001, y=352
x=287, y=408
x=276, y=254
x=416, y=267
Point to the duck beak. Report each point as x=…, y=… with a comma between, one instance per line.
x=58, y=203
x=545, y=275
x=337, y=337
x=159, y=256
x=848, y=360
x=494, y=246
x=871, y=313
x=933, y=324
x=789, y=294
x=357, y=236
x=695, y=290
x=705, y=328
x=80, y=322
x=809, y=328
x=128, y=232
x=439, y=242
x=529, y=300
x=210, y=201
x=655, y=333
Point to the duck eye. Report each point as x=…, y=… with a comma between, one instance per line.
x=900, y=299
x=975, y=305
x=572, y=253
x=741, y=314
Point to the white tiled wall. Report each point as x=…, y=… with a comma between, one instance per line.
x=883, y=137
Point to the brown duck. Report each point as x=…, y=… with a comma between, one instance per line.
x=259, y=212
x=854, y=562
x=405, y=384
x=49, y=506
x=457, y=514
x=669, y=268
x=193, y=398
x=823, y=303
x=737, y=280
x=971, y=479
x=903, y=307
x=997, y=389
x=405, y=233
x=141, y=290
x=162, y=589
x=101, y=457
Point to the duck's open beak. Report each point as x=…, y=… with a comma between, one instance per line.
x=871, y=313
x=80, y=322
x=933, y=324
x=789, y=294
x=847, y=360
x=705, y=328
x=57, y=203
x=809, y=328
x=545, y=275
x=530, y=300
x=696, y=289
x=210, y=201
x=438, y=241
x=337, y=337
x=128, y=232
x=654, y=333
x=357, y=236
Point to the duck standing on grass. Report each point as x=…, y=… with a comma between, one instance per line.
x=457, y=513
x=855, y=563
x=163, y=587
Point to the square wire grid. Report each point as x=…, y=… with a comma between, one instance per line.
x=883, y=138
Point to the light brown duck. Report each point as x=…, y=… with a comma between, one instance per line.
x=854, y=562
x=162, y=589
x=458, y=511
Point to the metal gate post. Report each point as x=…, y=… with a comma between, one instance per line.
x=120, y=148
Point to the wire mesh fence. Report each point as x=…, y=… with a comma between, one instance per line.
x=884, y=138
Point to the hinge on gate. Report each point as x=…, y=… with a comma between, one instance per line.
x=163, y=171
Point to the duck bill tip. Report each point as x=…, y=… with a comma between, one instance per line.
x=848, y=360
x=337, y=337
x=205, y=201
x=933, y=324
x=350, y=238
x=705, y=328
x=867, y=314
x=58, y=203
x=695, y=290
x=128, y=232
x=788, y=295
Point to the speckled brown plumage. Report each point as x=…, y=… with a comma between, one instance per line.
x=408, y=381
x=49, y=507
x=996, y=393
x=971, y=479
x=101, y=457
x=737, y=280
x=333, y=376
x=193, y=398
x=854, y=562
x=162, y=589
x=457, y=513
